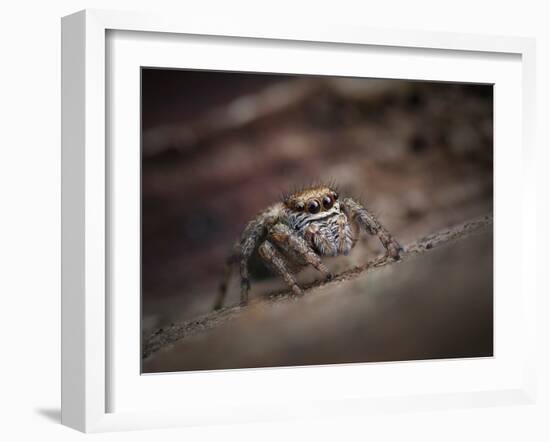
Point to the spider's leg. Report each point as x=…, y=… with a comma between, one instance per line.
x=342, y=245
x=245, y=281
x=313, y=236
x=273, y=257
x=230, y=263
x=253, y=233
x=285, y=238
x=368, y=221
x=345, y=236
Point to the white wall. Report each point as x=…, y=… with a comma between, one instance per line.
x=30, y=223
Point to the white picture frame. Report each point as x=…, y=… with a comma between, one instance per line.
x=87, y=319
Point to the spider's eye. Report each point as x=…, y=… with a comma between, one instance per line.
x=327, y=202
x=299, y=207
x=313, y=206
x=334, y=195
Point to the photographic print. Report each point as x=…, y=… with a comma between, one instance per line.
x=295, y=220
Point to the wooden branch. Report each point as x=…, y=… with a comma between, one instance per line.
x=169, y=335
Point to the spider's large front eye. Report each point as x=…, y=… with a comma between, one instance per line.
x=327, y=202
x=313, y=206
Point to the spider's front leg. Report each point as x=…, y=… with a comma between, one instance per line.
x=368, y=221
x=273, y=257
x=286, y=239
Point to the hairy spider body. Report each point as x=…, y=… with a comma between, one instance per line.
x=297, y=232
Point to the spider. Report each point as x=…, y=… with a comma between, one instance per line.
x=297, y=231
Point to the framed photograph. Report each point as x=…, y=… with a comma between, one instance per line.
x=265, y=222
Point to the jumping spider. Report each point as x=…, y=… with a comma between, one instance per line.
x=306, y=225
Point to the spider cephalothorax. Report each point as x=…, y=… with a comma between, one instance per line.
x=296, y=232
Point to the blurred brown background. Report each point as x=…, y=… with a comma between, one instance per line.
x=218, y=147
